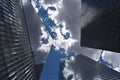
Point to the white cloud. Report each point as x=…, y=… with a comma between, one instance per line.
x=67, y=72
x=64, y=30
x=33, y=2
x=68, y=13
x=113, y=58
x=91, y=53
x=44, y=33
x=53, y=14
x=69, y=69
x=44, y=47
x=59, y=42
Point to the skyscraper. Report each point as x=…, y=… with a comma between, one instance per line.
x=88, y=69
x=16, y=58
x=101, y=27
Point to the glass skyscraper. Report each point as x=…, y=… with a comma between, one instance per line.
x=16, y=57
x=101, y=26
x=88, y=69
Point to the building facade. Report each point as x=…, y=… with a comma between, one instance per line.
x=102, y=30
x=16, y=57
x=89, y=69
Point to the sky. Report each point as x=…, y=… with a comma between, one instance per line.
x=62, y=21
x=34, y=23
x=51, y=70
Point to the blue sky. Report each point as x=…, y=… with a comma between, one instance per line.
x=51, y=67
x=61, y=29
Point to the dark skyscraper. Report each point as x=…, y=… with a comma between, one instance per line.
x=102, y=31
x=89, y=69
x=16, y=59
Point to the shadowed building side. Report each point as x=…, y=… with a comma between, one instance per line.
x=34, y=24
x=16, y=56
x=89, y=69
x=103, y=32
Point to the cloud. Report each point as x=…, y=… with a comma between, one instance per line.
x=113, y=58
x=59, y=42
x=69, y=71
x=72, y=67
x=34, y=5
x=91, y=53
x=57, y=4
x=63, y=36
x=68, y=13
